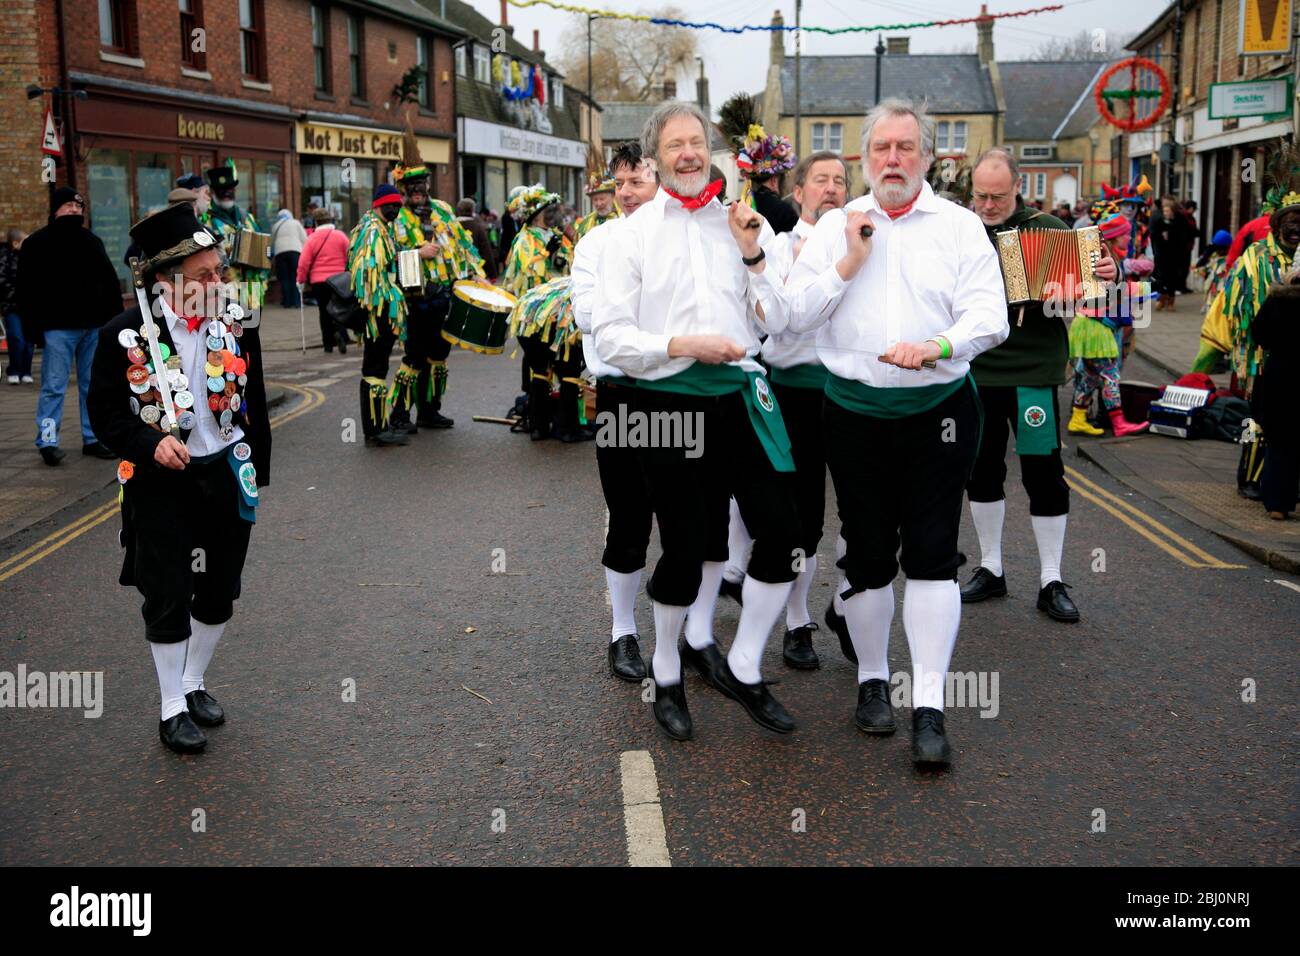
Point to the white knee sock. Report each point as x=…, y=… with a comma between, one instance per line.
x=738, y=545
x=869, y=615
x=842, y=583
x=623, y=589
x=796, y=606
x=203, y=641
x=931, y=614
x=1049, y=532
x=763, y=603
x=699, y=619
x=667, y=662
x=169, y=662
x=989, y=516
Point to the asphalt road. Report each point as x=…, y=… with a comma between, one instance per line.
x=486, y=729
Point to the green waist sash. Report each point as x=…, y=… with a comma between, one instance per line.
x=887, y=402
x=712, y=381
x=809, y=375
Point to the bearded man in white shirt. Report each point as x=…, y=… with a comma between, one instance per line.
x=821, y=184
x=630, y=517
x=679, y=307
x=900, y=313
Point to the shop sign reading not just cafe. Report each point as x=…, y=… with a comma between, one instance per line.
x=360, y=143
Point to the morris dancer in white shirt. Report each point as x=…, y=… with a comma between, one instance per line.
x=621, y=480
x=683, y=288
x=821, y=185
x=900, y=439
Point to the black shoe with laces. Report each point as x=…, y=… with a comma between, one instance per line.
x=708, y=662
x=983, y=584
x=875, y=713
x=671, y=712
x=1053, y=601
x=797, y=651
x=97, y=450
x=203, y=707
x=929, y=744
x=181, y=735
x=758, y=702
x=835, y=621
x=625, y=660
x=52, y=454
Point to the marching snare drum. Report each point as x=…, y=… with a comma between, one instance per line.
x=480, y=316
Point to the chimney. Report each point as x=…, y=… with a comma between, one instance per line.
x=505, y=21
x=984, y=30
x=537, y=40
x=778, y=40
x=897, y=45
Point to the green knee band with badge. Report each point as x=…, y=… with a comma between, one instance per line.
x=245, y=479
x=1036, y=431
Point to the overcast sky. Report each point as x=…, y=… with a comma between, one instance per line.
x=735, y=63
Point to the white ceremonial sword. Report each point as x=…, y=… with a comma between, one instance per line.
x=155, y=353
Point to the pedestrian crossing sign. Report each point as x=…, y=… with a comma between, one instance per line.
x=50, y=144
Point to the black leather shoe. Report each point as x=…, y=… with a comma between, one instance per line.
x=875, y=714
x=52, y=454
x=670, y=710
x=343, y=344
x=929, y=745
x=1250, y=491
x=538, y=435
x=709, y=663
x=759, y=703
x=181, y=735
x=576, y=435
x=797, y=651
x=983, y=584
x=1053, y=600
x=435, y=420
x=204, y=708
x=625, y=659
x=734, y=590
x=386, y=438
x=97, y=450
x=835, y=621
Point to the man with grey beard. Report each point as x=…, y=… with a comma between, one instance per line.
x=684, y=294
x=901, y=308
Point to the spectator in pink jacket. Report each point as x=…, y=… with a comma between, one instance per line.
x=324, y=255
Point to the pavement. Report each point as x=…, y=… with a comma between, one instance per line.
x=416, y=674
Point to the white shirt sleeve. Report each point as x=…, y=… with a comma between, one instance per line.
x=583, y=287
x=620, y=341
x=980, y=306
x=768, y=287
x=815, y=288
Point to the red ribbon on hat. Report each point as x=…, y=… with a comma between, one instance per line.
x=706, y=196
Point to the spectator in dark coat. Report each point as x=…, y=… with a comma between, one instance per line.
x=1171, y=249
x=466, y=212
x=20, y=348
x=1273, y=401
x=67, y=289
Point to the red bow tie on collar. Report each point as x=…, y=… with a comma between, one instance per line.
x=709, y=193
x=192, y=322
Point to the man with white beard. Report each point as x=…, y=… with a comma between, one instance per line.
x=683, y=292
x=900, y=311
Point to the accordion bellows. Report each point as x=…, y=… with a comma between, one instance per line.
x=251, y=249
x=1055, y=264
x=410, y=274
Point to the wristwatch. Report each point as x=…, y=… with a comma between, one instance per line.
x=756, y=260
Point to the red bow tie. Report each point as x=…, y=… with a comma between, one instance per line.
x=703, y=199
x=193, y=322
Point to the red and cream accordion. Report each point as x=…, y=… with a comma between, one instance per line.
x=1056, y=264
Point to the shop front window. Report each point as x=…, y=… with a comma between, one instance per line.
x=153, y=181
x=268, y=192
x=494, y=186
x=108, y=177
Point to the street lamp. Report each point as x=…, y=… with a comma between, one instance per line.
x=59, y=94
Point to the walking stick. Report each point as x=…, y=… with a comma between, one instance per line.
x=302, y=323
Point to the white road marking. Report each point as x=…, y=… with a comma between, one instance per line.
x=647, y=841
x=1287, y=584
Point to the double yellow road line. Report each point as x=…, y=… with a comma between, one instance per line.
x=53, y=542
x=1162, y=536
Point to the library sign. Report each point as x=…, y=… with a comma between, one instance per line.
x=1250, y=98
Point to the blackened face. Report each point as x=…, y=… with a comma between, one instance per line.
x=1288, y=229
x=417, y=197
x=389, y=211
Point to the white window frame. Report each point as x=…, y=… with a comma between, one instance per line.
x=818, y=137
x=941, y=137
x=959, y=136
x=1024, y=185
x=462, y=63
x=1040, y=185
x=557, y=92
x=1036, y=151
x=835, y=141
x=483, y=64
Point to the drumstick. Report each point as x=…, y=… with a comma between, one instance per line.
x=867, y=231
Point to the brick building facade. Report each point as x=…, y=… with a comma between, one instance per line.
x=298, y=94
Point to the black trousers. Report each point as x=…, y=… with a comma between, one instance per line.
x=631, y=518
x=1042, y=475
x=900, y=481
x=801, y=408
x=1281, y=475
x=329, y=332
x=185, y=546
x=430, y=347
x=376, y=355
x=690, y=496
x=286, y=270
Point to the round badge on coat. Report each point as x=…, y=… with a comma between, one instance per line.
x=135, y=405
x=125, y=471
x=150, y=414
x=243, y=452
x=215, y=330
x=137, y=375
x=242, y=379
x=236, y=402
x=187, y=421
x=173, y=362
x=135, y=355
x=214, y=342
x=128, y=338
x=226, y=418
x=141, y=388
x=215, y=384
x=1035, y=416
x=763, y=395
x=164, y=350
x=203, y=238
x=248, y=479
x=177, y=379
x=234, y=312
x=184, y=399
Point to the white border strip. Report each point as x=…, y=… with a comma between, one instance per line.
x=647, y=842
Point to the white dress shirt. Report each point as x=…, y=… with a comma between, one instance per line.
x=586, y=263
x=788, y=349
x=192, y=347
x=930, y=272
x=674, y=272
